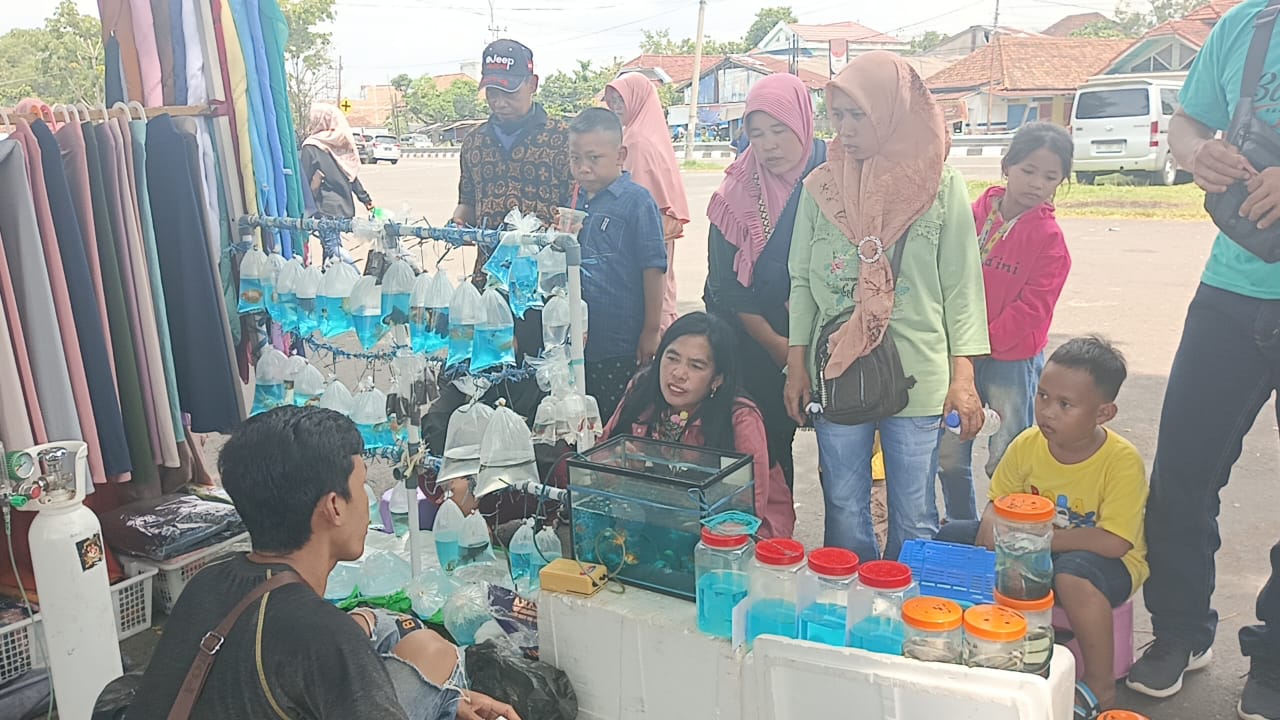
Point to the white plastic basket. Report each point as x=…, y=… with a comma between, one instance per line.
x=176, y=573
x=20, y=648
x=131, y=599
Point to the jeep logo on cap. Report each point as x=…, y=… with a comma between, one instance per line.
x=497, y=60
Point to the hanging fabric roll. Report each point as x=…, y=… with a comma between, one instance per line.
x=29, y=272
x=89, y=330
x=177, y=34
x=144, y=37
x=15, y=423
x=275, y=34
x=163, y=27
x=145, y=475
x=117, y=24
x=264, y=178
x=207, y=381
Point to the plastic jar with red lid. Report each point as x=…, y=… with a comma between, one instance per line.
x=720, y=566
x=772, y=585
x=825, y=585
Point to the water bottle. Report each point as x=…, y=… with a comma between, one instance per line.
x=447, y=531
x=990, y=422
x=521, y=553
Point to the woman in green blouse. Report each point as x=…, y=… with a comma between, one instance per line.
x=885, y=183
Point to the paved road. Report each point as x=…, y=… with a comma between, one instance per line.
x=1131, y=281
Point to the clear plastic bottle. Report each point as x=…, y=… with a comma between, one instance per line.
x=771, y=586
x=824, y=588
x=520, y=553
x=933, y=630
x=994, y=637
x=875, y=606
x=447, y=532
x=1024, y=540
x=720, y=568
x=990, y=422
x=1038, y=651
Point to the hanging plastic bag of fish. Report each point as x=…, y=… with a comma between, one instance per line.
x=397, y=291
x=255, y=281
x=268, y=390
x=332, y=301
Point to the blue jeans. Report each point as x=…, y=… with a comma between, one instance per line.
x=1009, y=387
x=910, y=446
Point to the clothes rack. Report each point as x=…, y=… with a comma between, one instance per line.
x=98, y=112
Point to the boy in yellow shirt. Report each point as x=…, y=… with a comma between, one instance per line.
x=1098, y=481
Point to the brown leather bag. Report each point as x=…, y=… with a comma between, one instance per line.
x=212, y=642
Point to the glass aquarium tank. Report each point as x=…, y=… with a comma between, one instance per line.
x=638, y=504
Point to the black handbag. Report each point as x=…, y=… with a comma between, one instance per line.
x=875, y=386
x=1259, y=144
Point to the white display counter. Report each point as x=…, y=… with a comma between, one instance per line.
x=638, y=655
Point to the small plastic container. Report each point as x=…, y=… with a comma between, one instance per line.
x=1024, y=539
x=824, y=591
x=720, y=567
x=772, y=583
x=1038, y=647
x=875, y=606
x=934, y=630
x=1122, y=715
x=994, y=637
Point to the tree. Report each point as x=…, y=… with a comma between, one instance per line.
x=669, y=95
x=766, y=20
x=570, y=93
x=430, y=103
x=402, y=83
x=1101, y=30
x=659, y=42
x=1134, y=22
x=308, y=58
x=922, y=44
x=60, y=62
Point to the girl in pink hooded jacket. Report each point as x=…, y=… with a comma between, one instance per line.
x=1025, y=263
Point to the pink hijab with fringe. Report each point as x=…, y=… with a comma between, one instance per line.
x=650, y=158
x=875, y=201
x=327, y=129
x=735, y=206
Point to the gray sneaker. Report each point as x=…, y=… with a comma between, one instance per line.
x=1158, y=673
x=1261, y=697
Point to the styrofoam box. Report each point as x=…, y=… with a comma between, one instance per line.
x=638, y=655
x=176, y=573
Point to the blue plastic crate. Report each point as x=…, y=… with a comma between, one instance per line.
x=963, y=573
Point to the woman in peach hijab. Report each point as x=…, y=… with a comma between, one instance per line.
x=885, y=191
x=651, y=161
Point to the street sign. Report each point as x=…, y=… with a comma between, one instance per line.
x=345, y=105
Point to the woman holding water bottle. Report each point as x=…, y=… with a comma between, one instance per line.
x=1024, y=266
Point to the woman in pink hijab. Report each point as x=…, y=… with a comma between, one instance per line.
x=651, y=160
x=752, y=215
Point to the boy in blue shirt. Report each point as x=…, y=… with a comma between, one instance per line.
x=624, y=258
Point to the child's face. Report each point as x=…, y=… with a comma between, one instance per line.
x=1069, y=406
x=596, y=159
x=1034, y=180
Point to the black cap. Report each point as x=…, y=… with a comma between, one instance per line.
x=506, y=65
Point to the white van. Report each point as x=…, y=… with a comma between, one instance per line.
x=1121, y=125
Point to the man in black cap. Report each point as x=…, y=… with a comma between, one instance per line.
x=519, y=158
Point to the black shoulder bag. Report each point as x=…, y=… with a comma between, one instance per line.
x=1257, y=141
x=875, y=386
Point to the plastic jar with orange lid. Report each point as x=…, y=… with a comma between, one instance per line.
x=994, y=637
x=1122, y=715
x=1038, y=647
x=934, y=630
x=1024, y=539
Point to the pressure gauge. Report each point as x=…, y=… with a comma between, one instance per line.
x=19, y=464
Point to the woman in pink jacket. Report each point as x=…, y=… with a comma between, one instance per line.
x=691, y=396
x=1024, y=264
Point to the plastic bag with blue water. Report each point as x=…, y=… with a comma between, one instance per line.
x=287, y=280
x=365, y=305
x=268, y=389
x=308, y=386
x=307, y=290
x=255, y=281
x=553, y=270
x=397, y=292
x=431, y=332
x=337, y=397
x=466, y=311
x=523, y=285
x=495, y=335
x=271, y=296
x=369, y=413
x=332, y=300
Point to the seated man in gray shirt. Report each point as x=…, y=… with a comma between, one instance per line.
x=296, y=476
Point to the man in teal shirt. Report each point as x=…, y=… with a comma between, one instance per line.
x=1227, y=367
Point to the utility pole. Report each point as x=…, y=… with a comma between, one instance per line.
x=493, y=22
x=995, y=62
x=338, y=100
x=697, y=81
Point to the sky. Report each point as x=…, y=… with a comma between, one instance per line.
x=378, y=39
